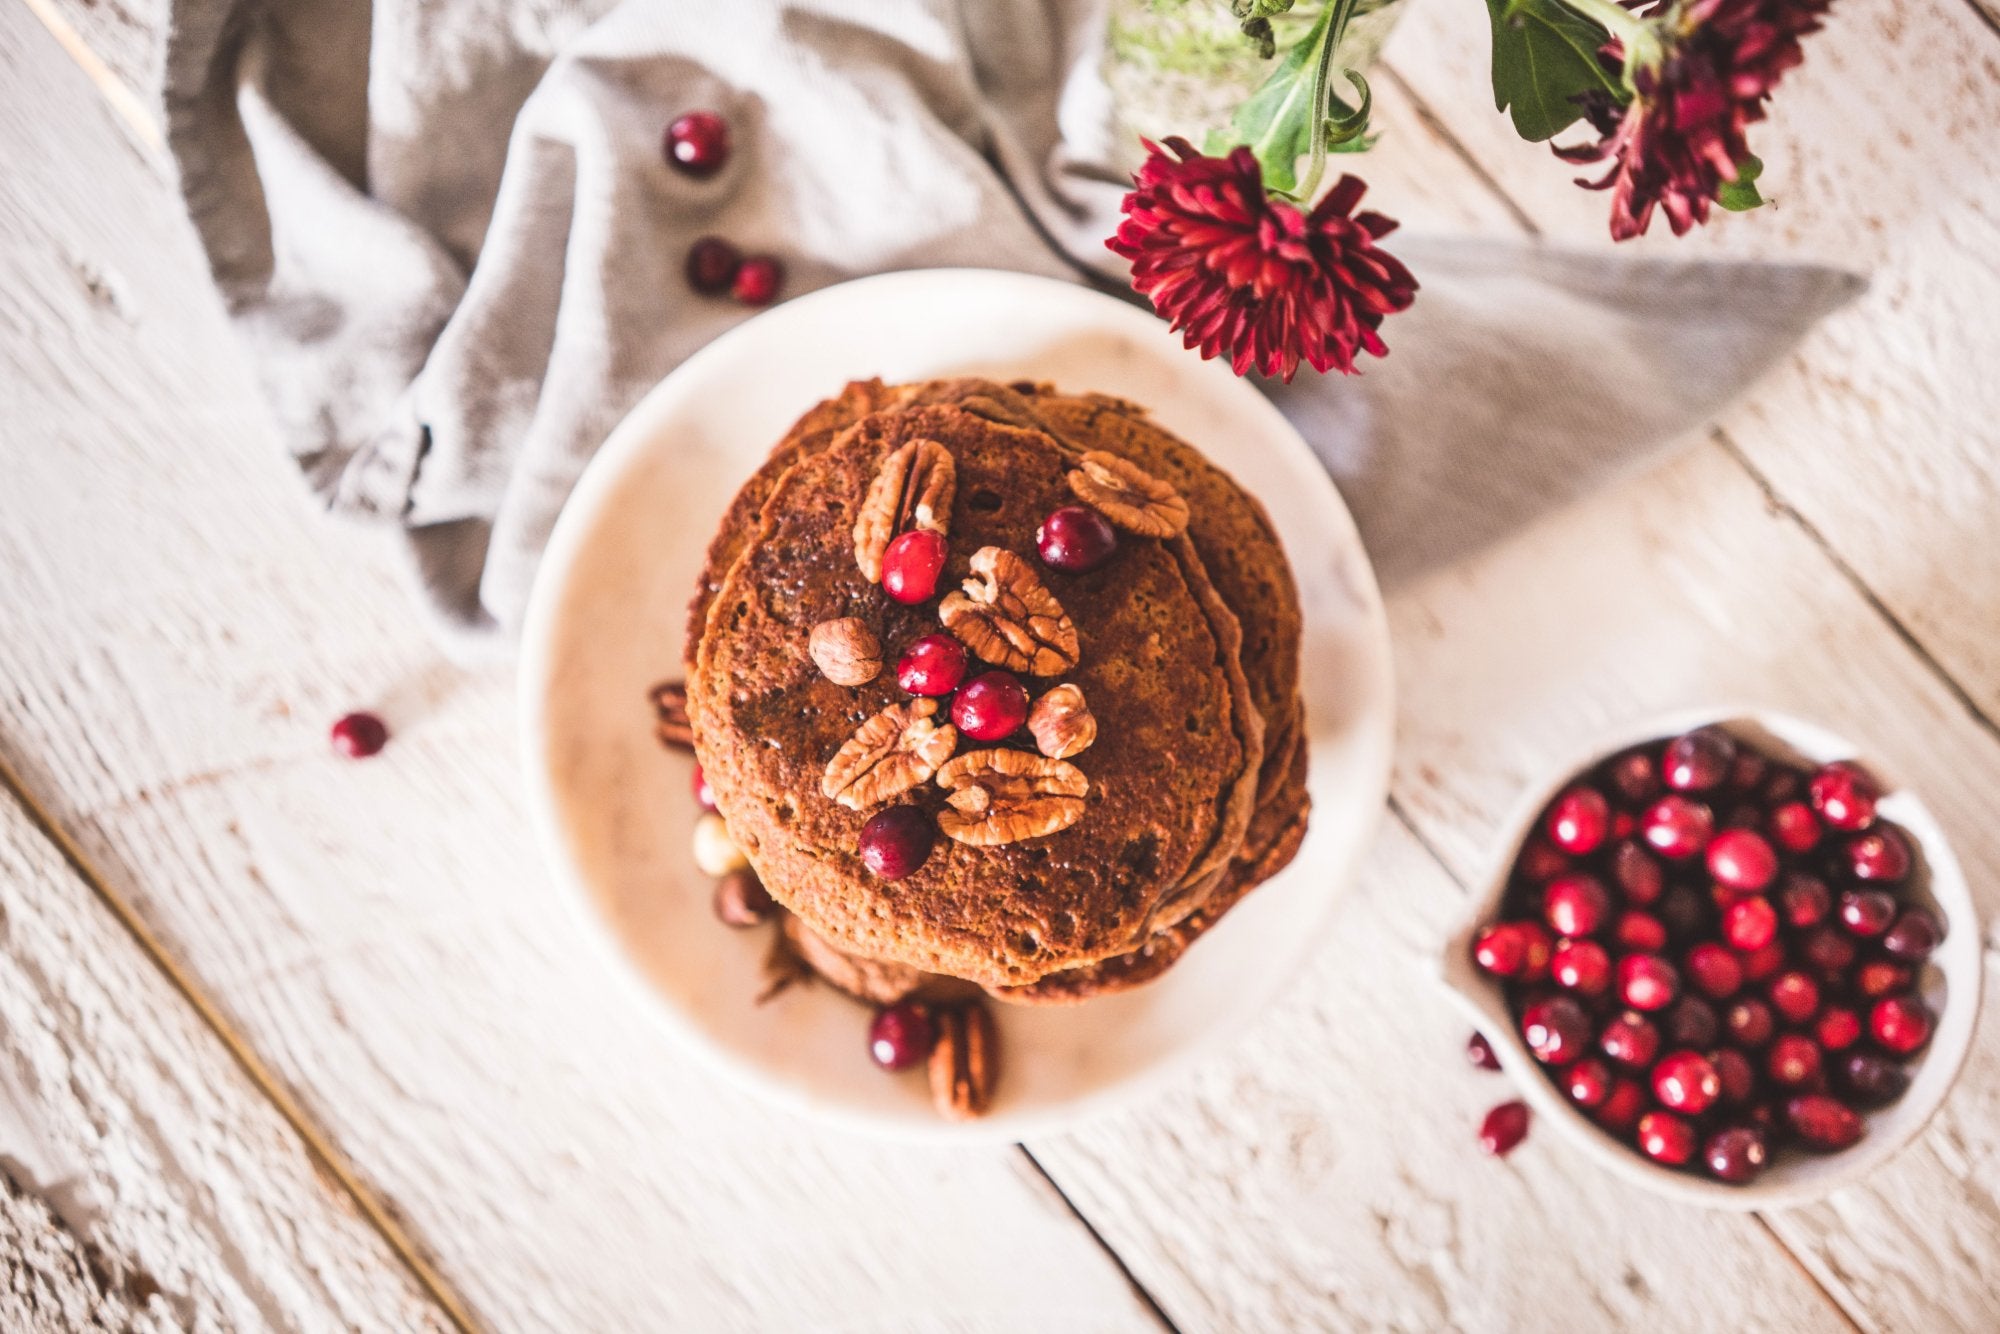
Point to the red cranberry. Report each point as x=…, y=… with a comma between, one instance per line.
x=1738, y=1076
x=911, y=566
x=1581, y=966
x=711, y=265
x=1621, y=1107
x=1578, y=821
x=1913, y=936
x=991, y=707
x=1647, y=982
x=1837, y=1028
x=1684, y=910
x=1748, y=772
x=1634, y=777
x=1793, y=1061
x=1872, y=1079
x=1691, y=1023
x=1900, y=1024
x=1539, y=862
x=1684, y=1081
x=1480, y=1052
x=1637, y=872
x=1624, y=824
x=758, y=280
x=1742, y=860
x=1514, y=949
x=901, y=1036
x=1736, y=1154
x=1749, y=1023
x=1823, y=1123
x=1743, y=815
x=1588, y=1082
x=1844, y=796
x=1576, y=905
x=1750, y=923
x=933, y=665
x=1629, y=1039
x=704, y=795
x=1794, y=996
x=1076, y=539
x=1867, y=912
x=1794, y=827
x=1760, y=964
x=698, y=143
x=1504, y=1127
x=1881, y=856
x=1556, y=1029
x=1804, y=900
x=1698, y=761
x=895, y=842
x=1827, y=948
x=359, y=735
x=1666, y=1138
x=1783, y=784
x=1676, y=827
x=1713, y=969
x=1639, y=931
x=1878, y=978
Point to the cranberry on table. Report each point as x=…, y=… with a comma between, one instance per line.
x=1588, y=1082
x=1685, y=1081
x=1713, y=970
x=1076, y=539
x=1880, y=856
x=1576, y=905
x=1750, y=923
x=1640, y=931
x=698, y=143
x=1738, y=1077
x=911, y=565
x=933, y=665
x=1844, y=796
x=1579, y=821
x=1647, y=982
x=1691, y=1022
x=1900, y=1024
x=1804, y=900
x=1621, y=1107
x=895, y=842
x=758, y=280
x=990, y=707
x=1582, y=966
x=1871, y=1079
x=1794, y=827
x=1837, y=1028
x=1637, y=872
x=1479, y=1052
x=1556, y=1030
x=1504, y=1127
x=1793, y=1061
x=1794, y=995
x=1749, y=1023
x=1666, y=1138
x=1518, y=950
x=359, y=735
x=1822, y=1122
x=1867, y=912
x=901, y=1036
x=704, y=795
x=1913, y=935
x=1676, y=827
x=1699, y=760
x=1736, y=1154
x=711, y=265
x=1742, y=860
x=1878, y=978
x=1629, y=1039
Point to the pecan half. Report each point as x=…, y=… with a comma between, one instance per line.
x=1009, y=618
x=670, y=713
x=1129, y=496
x=1062, y=723
x=965, y=1062
x=912, y=489
x=1004, y=796
x=888, y=755
x=846, y=651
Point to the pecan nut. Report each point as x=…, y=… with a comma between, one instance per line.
x=741, y=899
x=1008, y=617
x=965, y=1062
x=1004, y=796
x=1061, y=723
x=670, y=714
x=846, y=651
x=1128, y=495
x=912, y=489
x=888, y=755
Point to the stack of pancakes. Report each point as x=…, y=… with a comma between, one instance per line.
x=1189, y=662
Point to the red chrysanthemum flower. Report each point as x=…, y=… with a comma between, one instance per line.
x=1242, y=273
x=1683, y=134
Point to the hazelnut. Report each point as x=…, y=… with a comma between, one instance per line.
x=846, y=651
x=715, y=852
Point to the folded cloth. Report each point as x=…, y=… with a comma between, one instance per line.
x=447, y=232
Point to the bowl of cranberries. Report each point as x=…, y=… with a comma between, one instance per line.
x=1728, y=957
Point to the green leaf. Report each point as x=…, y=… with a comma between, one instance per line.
x=1544, y=56
x=1740, y=195
x=1279, y=119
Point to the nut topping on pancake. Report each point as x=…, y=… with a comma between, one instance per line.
x=888, y=755
x=1129, y=496
x=846, y=651
x=1009, y=618
x=1062, y=723
x=1004, y=796
x=912, y=491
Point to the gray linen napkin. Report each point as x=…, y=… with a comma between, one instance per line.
x=447, y=234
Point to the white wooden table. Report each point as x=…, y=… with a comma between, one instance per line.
x=300, y=1043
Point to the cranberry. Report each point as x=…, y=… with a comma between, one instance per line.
x=1878, y=978
x=1539, y=862
x=1823, y=1123
x=758, y=280
x=1867, y=912
x=1576, y=905
x=1827, y=948
x=895, y=842
x=1588, y=1082
x=1844, y=796
x=1581, y=966
x=991, y=707
x=933, y=665
x=1838, y=1028
x=1634, y=777
x=1698, y=761
x=1760, y=964
x=1480, y=1052
x=1794, y=827
x=1742, y=860
x=1804, y=900
x=1640, y=931
x=911, y=566
x=1736, y=1154
x=1913, y=936
x=1793, y=1061
x=1750, y=923
x=1871, y=1079
x=1514, y=949
x=1880, y=856
x=1743, y=815
x=1748, y=772
x=901, y=1036
x=1556, y=1029
x=1647, y=982
x=1794, y=996
x=1684, y=1081
x=1900, y=1024
x=1676, y=827
x=1504, y=1127
x=1624, y=824
x=1684, y=911
x=1784, y=784
x=1578, y=821
x=1738, y=1076
x=359, y=735
x=1621, y=1107
x=711, y=265
x=1076, y=539
x=1629, y=1039
x=1637, y=872
x=1666, y=1138
x=698, y=143
x=1691, y=1023
x=704, y=795
x=1713, y=969
x=1749, y=1023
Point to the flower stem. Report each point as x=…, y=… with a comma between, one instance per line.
x=1334, y=27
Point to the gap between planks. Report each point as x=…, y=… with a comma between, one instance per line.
x=322, y=1151
x=1139, y=1289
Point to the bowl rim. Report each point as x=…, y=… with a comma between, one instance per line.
x=1957, y=961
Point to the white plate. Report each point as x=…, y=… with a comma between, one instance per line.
x=606, y=622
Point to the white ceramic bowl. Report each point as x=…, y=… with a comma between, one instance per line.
x=606, y=622
x=1949, y=982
